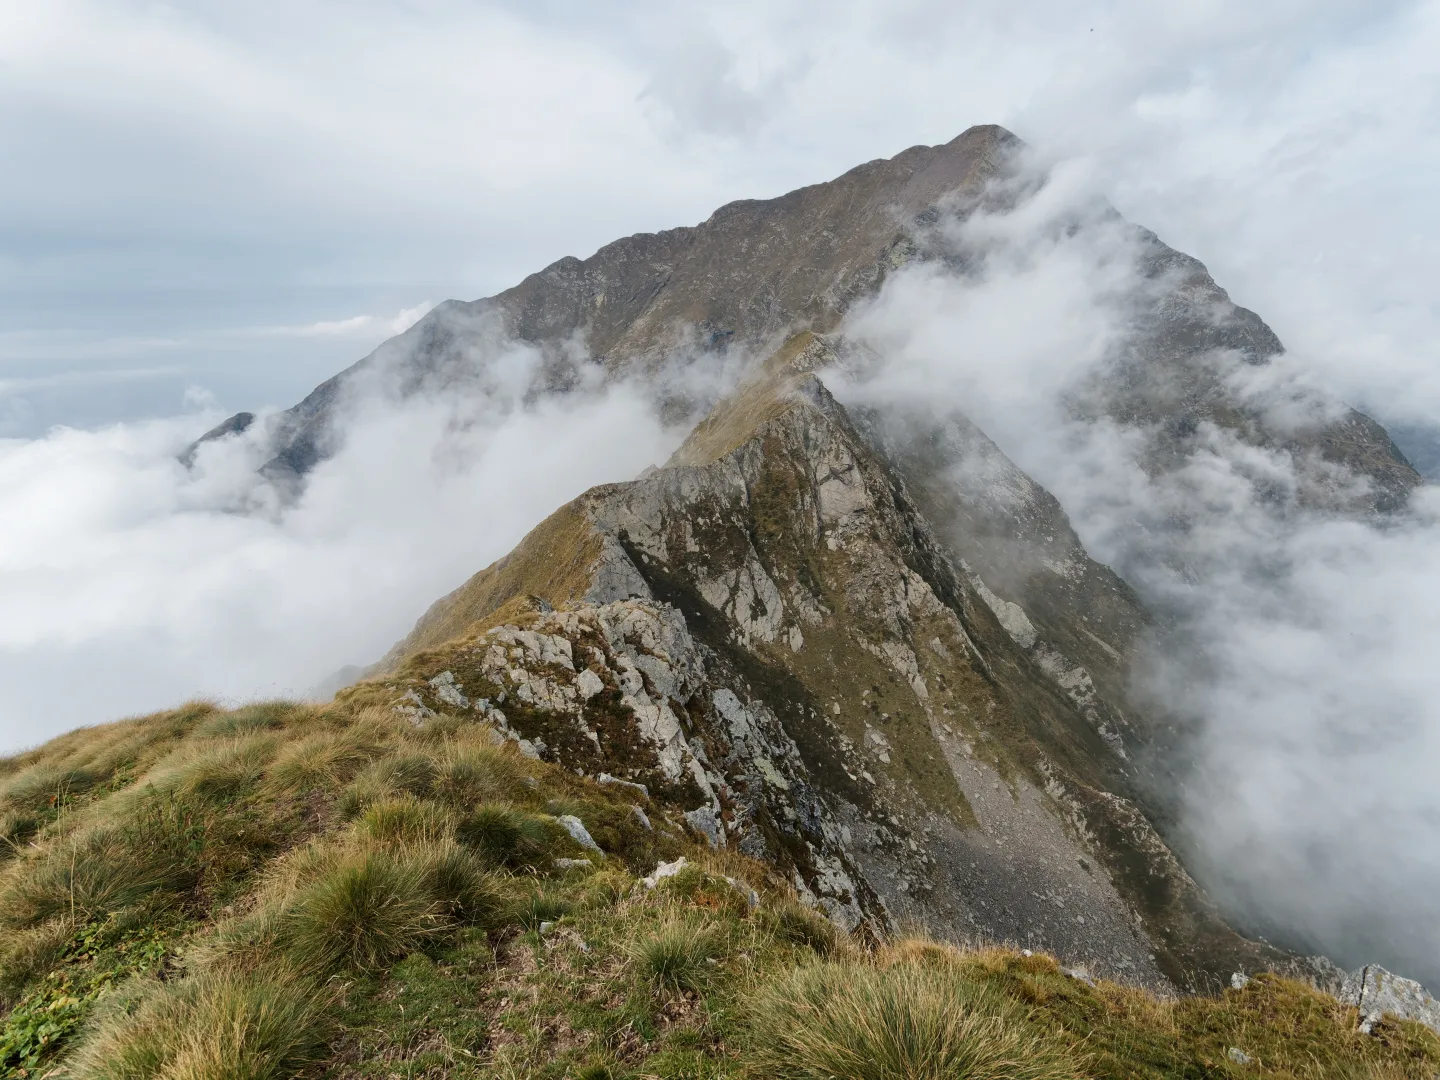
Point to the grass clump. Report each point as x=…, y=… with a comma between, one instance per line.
x=865, y=1022
x=471, y=775
x=677, y=956
x=401, y=821
x=107, y=867
x=261, y=716
x=323, y=760
x=539, y=907
x=507, y=836
x=461, y=886
x=222, y=772
x=364, y=912
x=220, y=1025
x=402, y=774
x=44, y=786
x=797, y=924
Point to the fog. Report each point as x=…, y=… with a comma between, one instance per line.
x=1301, y=655
x=132, y=582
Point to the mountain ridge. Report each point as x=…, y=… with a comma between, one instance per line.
x=740, y=283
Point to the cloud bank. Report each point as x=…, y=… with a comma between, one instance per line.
x=1300, y=654
x=131, y=583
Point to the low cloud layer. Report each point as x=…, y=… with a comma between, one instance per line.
x=131, y=582
x=1303, y=651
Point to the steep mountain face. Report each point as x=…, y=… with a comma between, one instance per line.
x=861, y=644
x=768, y=632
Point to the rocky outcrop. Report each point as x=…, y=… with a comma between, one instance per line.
x=862, y=645
x=769, y=634
x=1376, y=993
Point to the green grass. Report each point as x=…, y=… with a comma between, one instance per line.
x=107, y=867
x=507, y=836
x=399, y=821
x=297, y=891
x=364, y=912
x=258, y=1025
x=678, y=955
x=863, y=1022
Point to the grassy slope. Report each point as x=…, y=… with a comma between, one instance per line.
x=284, y=890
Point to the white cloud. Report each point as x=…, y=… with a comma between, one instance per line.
x=361, y=326
x=1303, y=644
x=130, y=582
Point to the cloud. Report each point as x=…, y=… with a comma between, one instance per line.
x=1300, y=654
x=362, y=326
x=131, y=583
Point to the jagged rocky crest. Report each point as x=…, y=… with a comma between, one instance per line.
x=800, y=631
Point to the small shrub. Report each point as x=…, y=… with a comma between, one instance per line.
x=897, y=1023
x=506, y=836
x=220, y=1025
x=363, y=913
x=799, y=925
x=677, y=956
x=404, y=821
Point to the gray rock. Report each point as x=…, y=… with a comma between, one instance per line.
x=1377, y=992
x=606, y=779
x=576, y=828
x=703, y=820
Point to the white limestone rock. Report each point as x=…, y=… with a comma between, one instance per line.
x=1376, y=992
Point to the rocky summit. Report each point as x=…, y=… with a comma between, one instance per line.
x=799, y=650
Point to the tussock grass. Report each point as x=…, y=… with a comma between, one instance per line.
x=269, y=852
x=105, y=868
x=324, y=759
x=507, y=836
x=26, y=953
x=261, y=716
x=45, y=785
x=539, y=907
x=902, y=1022
x=401, y=774
x=678, y=955
x=219, y=1025
x=216, y=773
x=797, y=924
x=366, y=911
x=461, y=886
x=404, y=821
x=16, y=827
x=475, y=774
